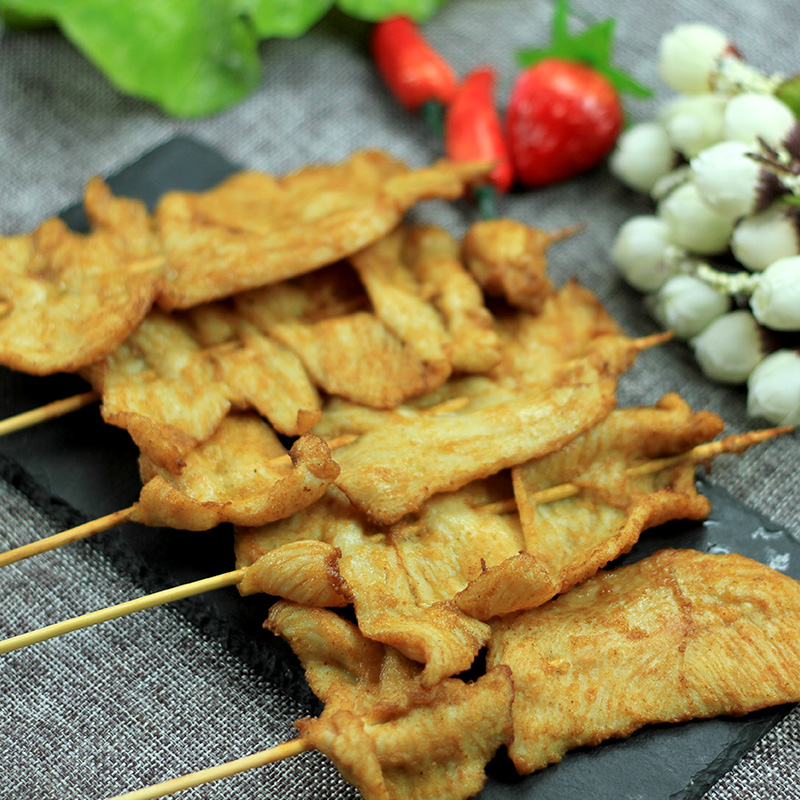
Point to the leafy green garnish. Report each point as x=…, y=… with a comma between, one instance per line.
x=789, y=93
x=593, y=47
x=285, y=18
x=191, y=58
x=375, y=10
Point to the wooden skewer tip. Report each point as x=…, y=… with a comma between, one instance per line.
x=229, y=768
x=122, y=609
x=66, y=537
x=53, y=410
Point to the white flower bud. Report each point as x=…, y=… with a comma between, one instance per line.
x=727, y=178
x=751, y=116
x=687, y=56
x=695, y=122
x=762, y=238
x=773, y=388
x=729, y=348
x=686, y=305
x=641, y=156
x=776, y=299
x=692, y=224
x=638, y=251
x=668, y=183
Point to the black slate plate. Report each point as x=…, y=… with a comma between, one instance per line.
x=93, y=468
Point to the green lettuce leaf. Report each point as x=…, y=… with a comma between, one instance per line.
x=374, y=10
x=287, y=18
x=191, y=58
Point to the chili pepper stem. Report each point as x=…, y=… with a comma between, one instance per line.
x=486, y=199
x=433, y=114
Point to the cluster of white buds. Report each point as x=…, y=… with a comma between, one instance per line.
x=719, y=259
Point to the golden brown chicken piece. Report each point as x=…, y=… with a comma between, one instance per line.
x=162, y=387
x=392, y=470
x=368, y=573
x=260, y=372
x=304, y=571
x=175, y=378
x=572, y=340
x=240, y=475
x=567, y=539
x=68, y=299
x=424, y=295
x=342, y=417
x=255, y=230
x=676, y=636
x=456, y=536
x=507, y=258
x=388, y=734
x=537, y=348
x=347, y=350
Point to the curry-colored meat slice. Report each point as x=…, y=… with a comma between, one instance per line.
x=162, y=387
x=507, y=258
x=391, y=471
x=255, y=230
x=424, y=295
x=676, y=636
x=241, y=474
x=390, y=735
x=259, y=371
x=305, y=571
x=68, y=299
x=537, y=347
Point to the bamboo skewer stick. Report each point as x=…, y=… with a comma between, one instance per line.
x=57, y=408
x=734, y=443
x=277, y=753
x=730, y=444
x=126, y=514
x=112, y=520
x=123, y=609
x=66, y=537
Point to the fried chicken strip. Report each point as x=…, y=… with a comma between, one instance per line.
x=424, y=295
x=507, y=258
x=677, y=636
x=358, y=564
x=391, y=736
x=390, y=471
x=236, y=476
x=68, y=299
x=255, y=230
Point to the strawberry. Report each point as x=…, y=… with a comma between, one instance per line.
x=565, y=113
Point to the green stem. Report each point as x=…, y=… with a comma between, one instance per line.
x=433, y=114
x=486, y=198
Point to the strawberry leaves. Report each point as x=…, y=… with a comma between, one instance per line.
x=592, y=47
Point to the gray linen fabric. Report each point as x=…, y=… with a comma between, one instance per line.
x=320, y=99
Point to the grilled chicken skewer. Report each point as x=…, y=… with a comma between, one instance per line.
x=736, y=443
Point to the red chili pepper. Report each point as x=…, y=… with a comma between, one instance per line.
x=413, y=70
x=473, y=131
